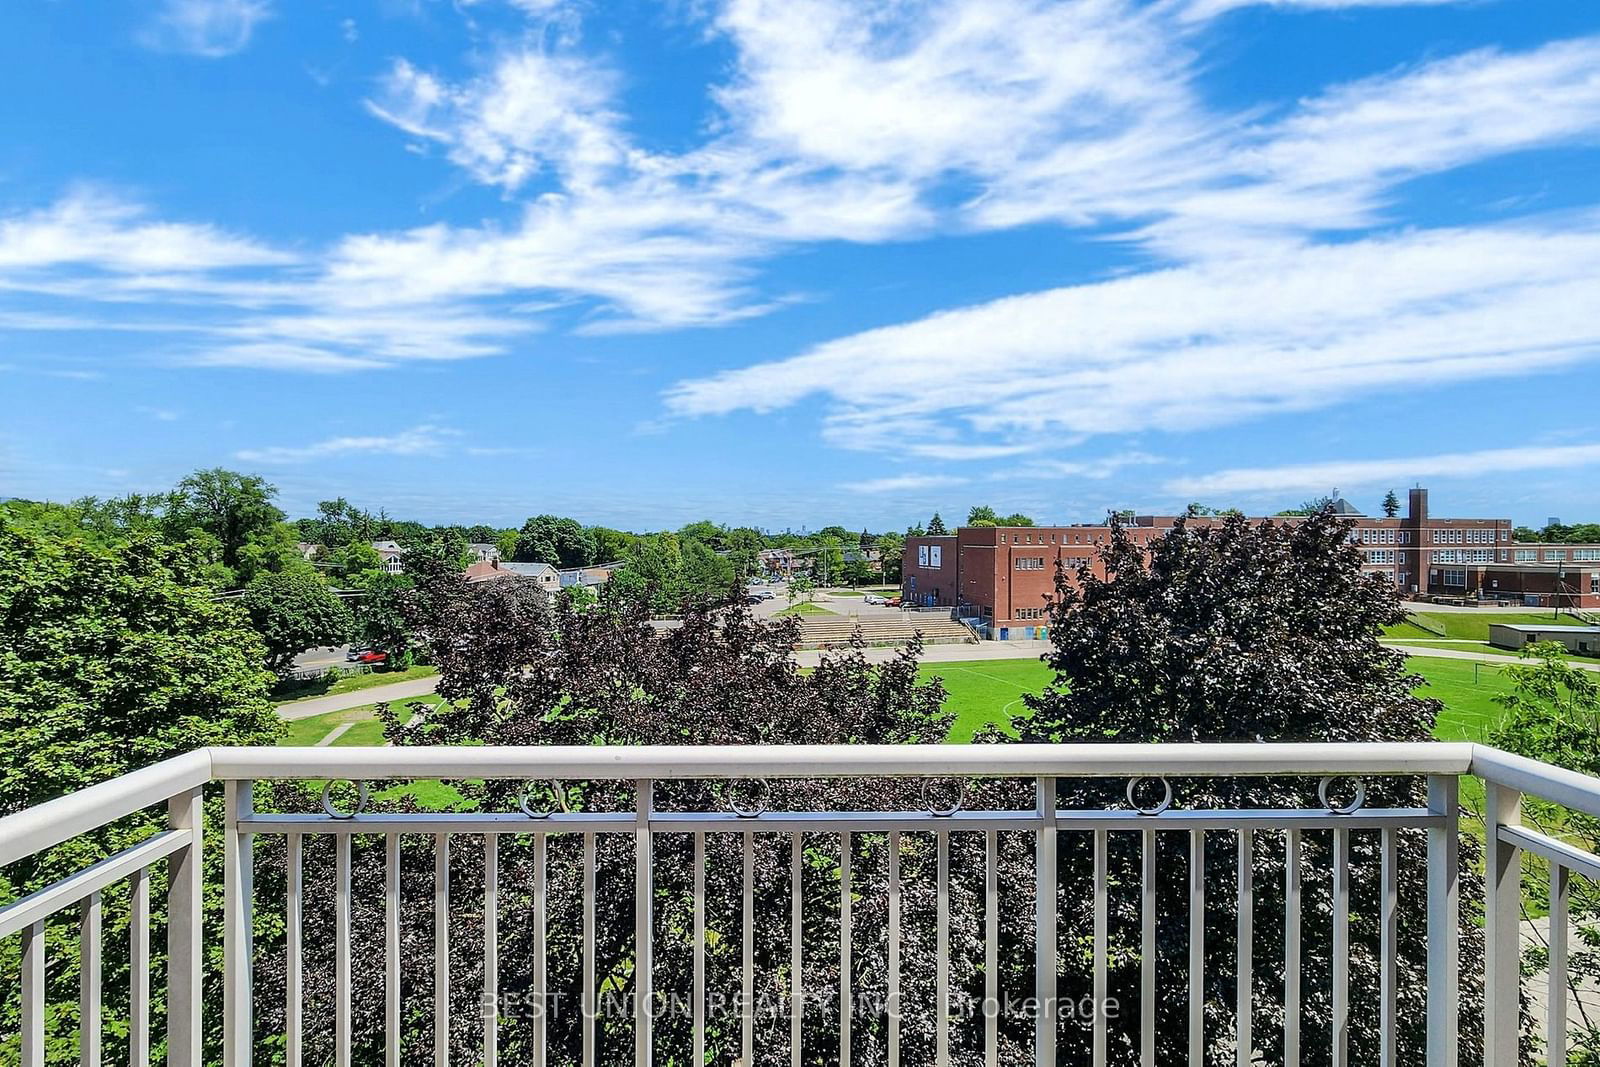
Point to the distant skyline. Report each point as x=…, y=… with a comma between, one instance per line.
x=789, y=263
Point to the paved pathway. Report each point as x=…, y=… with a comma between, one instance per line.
x=305, y=709
x=1482, y=657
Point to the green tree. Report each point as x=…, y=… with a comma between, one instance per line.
x=1391, y=504
x=1242, y=632
x=112, y=657
x=292, y=612
x=1016, y=518
x=982, y=515
x=356, y=559
x=235, y=509
x=611, y=545
x=556, y=541
x=378, y=615
x=829, y=561
x=891, y=547
x=936, y=526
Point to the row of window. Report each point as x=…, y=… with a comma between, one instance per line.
x=1464, y=555
x=1030, y=563
x=1382, y=555
x=1458, y=578
x=1032, y=613
x=1476, y=536
x=1077, y=539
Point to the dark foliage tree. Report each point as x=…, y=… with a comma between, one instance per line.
x=936, y=526
x=292, y=612
x=1242, y=632
x=522, y=670
x=1391, y=504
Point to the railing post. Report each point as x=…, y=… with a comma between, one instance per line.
x=185, y=898
x=237, y=950
x=643, y=926
x=1502, y=916
x=1444, y=922
x=1044, y=1054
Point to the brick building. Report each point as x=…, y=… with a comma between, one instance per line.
x=1002, y=577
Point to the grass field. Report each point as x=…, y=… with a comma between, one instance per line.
x=981, y=692
x=1470, y=626
x=806, y=607
x=990, y=691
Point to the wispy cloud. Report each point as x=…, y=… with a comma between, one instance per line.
x=1203, y=9
x=423, y=440
x=1371, y=472
x=903, y=483
x=1206, y=344
x=209, y=28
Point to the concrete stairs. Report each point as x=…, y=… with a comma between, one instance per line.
x=835, y=631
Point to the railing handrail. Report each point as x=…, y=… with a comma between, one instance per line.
x=44, y=825
x=581, y=762
x=1570, y=789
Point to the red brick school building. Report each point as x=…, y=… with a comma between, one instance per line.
x=1002, y=577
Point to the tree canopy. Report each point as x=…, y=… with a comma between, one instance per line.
x=294, y=611
x=1242, y=631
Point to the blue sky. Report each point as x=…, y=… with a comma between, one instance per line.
x=802, y=261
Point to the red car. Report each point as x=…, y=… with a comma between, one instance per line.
x=893, y=602
x=372, y=657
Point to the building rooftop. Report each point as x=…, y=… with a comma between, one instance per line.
x=1535, y=628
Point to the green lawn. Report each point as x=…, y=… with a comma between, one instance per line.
x=367, y=730
x=348, y=684
x=806, y=607
x=1471, y=626
x=981, y=692
x=990, y=691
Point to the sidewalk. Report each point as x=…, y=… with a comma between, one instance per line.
x=305, y=709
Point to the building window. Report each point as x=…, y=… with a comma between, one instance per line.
x=1031, y=613
x=1527, y=555
x=1586, y=553
x=1030, y=563
x=1552, y=555
x=1456, y=578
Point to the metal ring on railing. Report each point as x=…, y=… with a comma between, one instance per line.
x=759, y=799
x=362, y=796
x=1160, y=806
x=557, y=790
x=1349, y=809
x=944, y=811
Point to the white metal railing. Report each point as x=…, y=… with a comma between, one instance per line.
x=178, y=784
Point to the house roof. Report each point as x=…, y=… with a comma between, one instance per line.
x=1341, y=506
x=528, y=570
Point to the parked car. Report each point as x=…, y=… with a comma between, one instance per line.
x=354, y=654
x=767, y=594
x=371, y=656
x=874, y=598
x=753, y=598
x=893, y=602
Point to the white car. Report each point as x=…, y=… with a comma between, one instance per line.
x=873, y=598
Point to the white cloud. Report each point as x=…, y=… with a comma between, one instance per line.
x=533, y=110
x=1204, y=9
x=209, y=28
x=1201, y=345
x=1370, y=472
x=97, y=229
x=902, y=483
x=426, y=439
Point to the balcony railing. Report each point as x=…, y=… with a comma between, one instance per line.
x=1341, y=770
